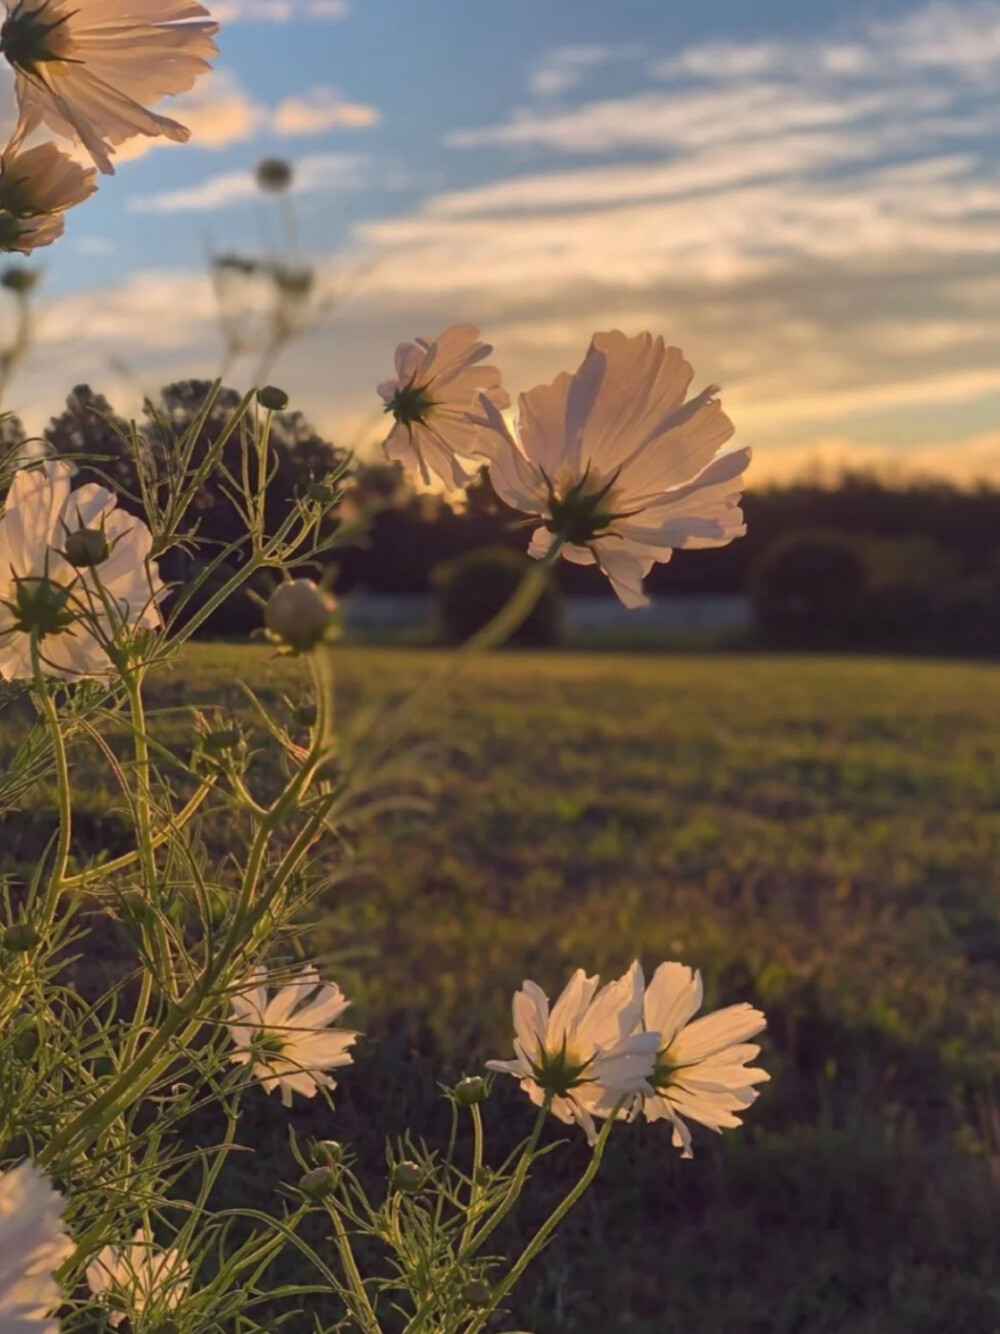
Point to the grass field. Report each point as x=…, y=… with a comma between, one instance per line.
x=821, y=836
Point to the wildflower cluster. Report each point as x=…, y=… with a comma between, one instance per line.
x=109, y=1204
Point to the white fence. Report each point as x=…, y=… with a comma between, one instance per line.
x=387, y=611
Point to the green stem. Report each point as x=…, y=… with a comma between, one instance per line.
x=516, y=1183
x=518, y=608
x=495, y=632
x=242, y=575
x=142, y=1072
x=365, y=1314
x=449, y=1159
x=131, y=1083
x=127, y=859
x=64, y=798
x=477, y=1167
x=144, y=831
x=539, y=1240
x=469, y=1248
x=128, y=1086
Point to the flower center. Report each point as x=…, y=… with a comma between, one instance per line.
x=582, y=509
x=269, y=1045
x=41, y=606
x=559, y=1071
x=663, y=1071
x=27, y=39
x=410, y=404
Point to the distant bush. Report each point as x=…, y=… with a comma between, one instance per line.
x=807, y=589
x=830, y=589
x=474, y=587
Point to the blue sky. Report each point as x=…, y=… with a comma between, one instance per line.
x=805, y=199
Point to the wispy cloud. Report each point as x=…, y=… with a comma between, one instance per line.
x=321, y=171
x=278, y=11
x=816, y=223
x=720, y=90
x=944, y=36
x=717, y=166
x=564, y=67
x=221, y=113
x=656, y=120
x=321, y=109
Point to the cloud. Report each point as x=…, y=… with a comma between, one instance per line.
x=323, y=171
x=151, y=310
x=716, y=167
x=945, y=36
x=278, y=11
x=961, y=460
x=562, y=68
x=319, y=110
x=872, y=219
x=220, y=113
x=655, y=119
x=721, y=90
x=818, y=228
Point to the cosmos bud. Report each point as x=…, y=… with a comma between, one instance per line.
x=272, y=398
x=470, y=1090
x=407, y=1178
x=20, y=937
x=319, y=1183
x=86, y=547
x=274, y=174
x=300, y=614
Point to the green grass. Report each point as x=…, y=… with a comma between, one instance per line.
x=820, y=835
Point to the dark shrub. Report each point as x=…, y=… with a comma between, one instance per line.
x=474, y=587
x=808, y=588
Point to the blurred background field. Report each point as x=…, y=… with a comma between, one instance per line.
x=820, y=835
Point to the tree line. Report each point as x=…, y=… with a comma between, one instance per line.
x=863, y=561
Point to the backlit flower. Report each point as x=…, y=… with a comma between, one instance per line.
x=584, y=1054
x=701, y=1068
x=73, y=611
x=36, y=187
x=88, y=69
x=138, y=1279
x=438, y=384
x=287, y=1041
x=33, y=1244
x=616, y=464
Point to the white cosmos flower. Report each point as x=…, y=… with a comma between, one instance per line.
x=138, y=1277
x=617, y=464
x=288, y=1046
x=73, y=608
x=584, y=1053
x=701, y=1067
x=33, y=1244
x=37, y=185
x=89, y=68
x=437, y=387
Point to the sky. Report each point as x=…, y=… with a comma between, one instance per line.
x=804, y=198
